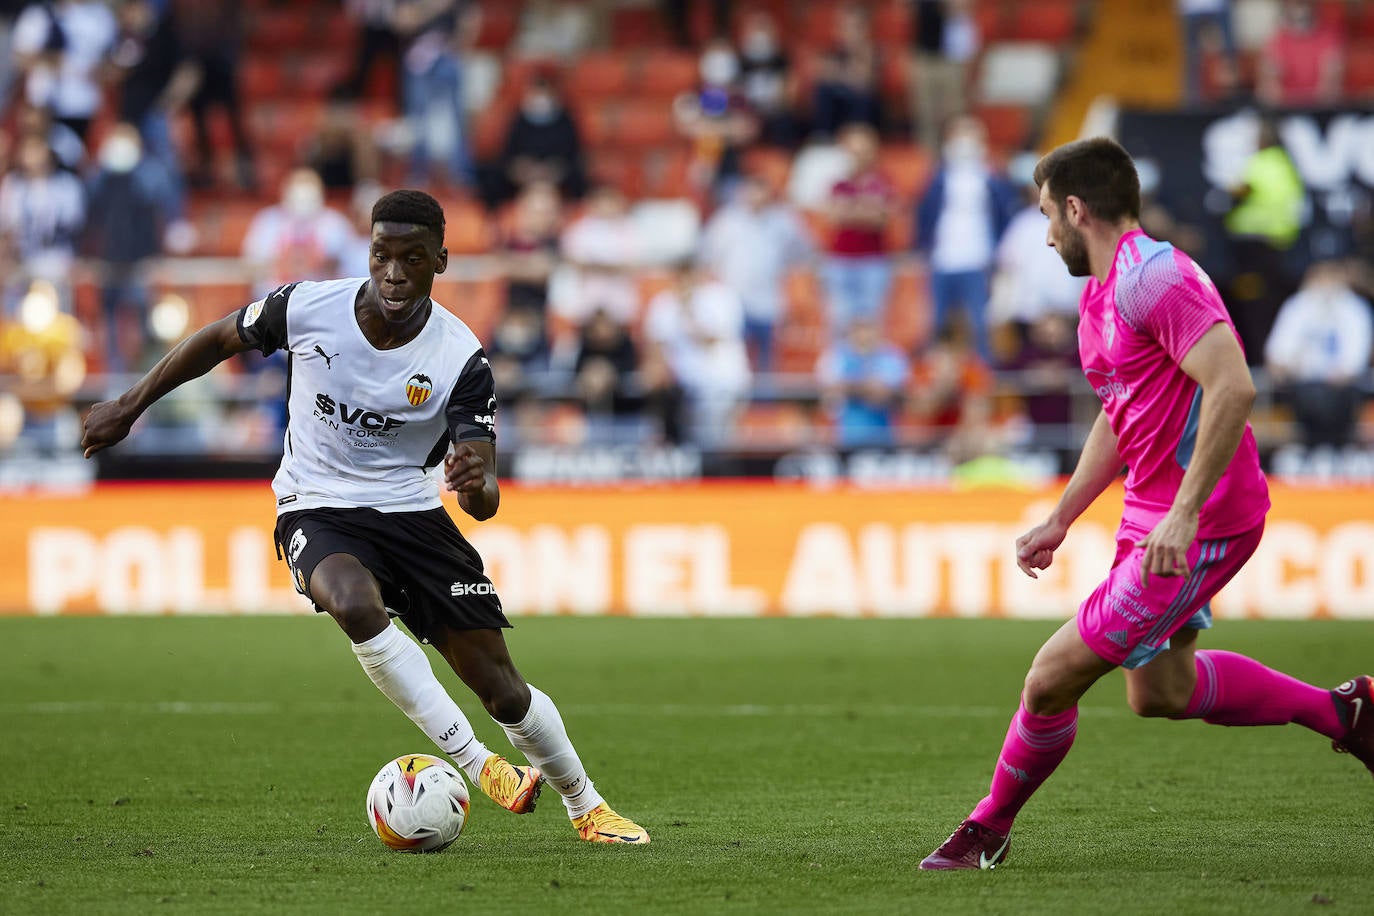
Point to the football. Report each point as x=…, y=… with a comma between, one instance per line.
x=417, y=803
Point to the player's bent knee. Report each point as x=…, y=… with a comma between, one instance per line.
x=1158, y=705
x=507, y=701
x=1043, y=695
x=360, y=615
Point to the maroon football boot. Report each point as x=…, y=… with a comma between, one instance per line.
x=1355, y=705
x=971, y=845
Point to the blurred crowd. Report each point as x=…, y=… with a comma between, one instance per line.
x=830, y=238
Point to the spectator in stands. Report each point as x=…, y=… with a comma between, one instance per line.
x=1029, y=280
x=437, y=35
x=60, y=47
x=604, y=376
x=66, y=146
x=951, y=394
x=156, y=82
x=600, y=251
x=132, y=203
x=518, y=348
x=1206, y=24
x=542, y=145
x=862, y=380
x=696, y=327
x=959, y=222
x=42, y=212
x=343, y=153
x=377, y=41
x=9, y=11
x=1304, y=60
x=1319, y=353
x=944, y=41
x=210, y=33
x=847, y=82
x=717, y=121
x=858, y=271
x=750, y=245
x=1047, y=360
x=299, y=238
x=530, y=248
x=1262, y=228
x=677, y=13
x=42, y=366
x=765, y=79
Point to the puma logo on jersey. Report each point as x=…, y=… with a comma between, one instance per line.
x=328, y=360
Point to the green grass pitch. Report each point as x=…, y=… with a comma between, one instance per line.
x=219, y=766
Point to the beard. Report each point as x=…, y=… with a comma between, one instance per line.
x=1074, y=252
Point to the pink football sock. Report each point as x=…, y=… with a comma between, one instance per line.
x=1034, y=746
x=1235, y=690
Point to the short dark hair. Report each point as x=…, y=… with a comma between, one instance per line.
x=1097, y=171
x=415, y=208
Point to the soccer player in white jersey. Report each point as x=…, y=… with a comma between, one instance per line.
x=385, y=385
x=1164, y=359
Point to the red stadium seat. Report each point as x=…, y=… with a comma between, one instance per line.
x=642, y=124
x=892, y=24
x=279, y=30
x=468, y=230
x=664, y=172
x=618, y=169
x=1047, y=21
x=637, y=27
x=598, y=75
x=907, y=166
x=1359, y=70
x=498, y=26
x=772, y=165
x=261, y=76
x=1008, y=125
x=666, y=73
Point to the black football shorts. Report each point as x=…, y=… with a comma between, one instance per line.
x=430, y=576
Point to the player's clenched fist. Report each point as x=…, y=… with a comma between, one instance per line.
x=107, y=424
x=1035, y=549
x=464, y=470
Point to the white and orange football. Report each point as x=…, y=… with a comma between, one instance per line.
x=418, y=803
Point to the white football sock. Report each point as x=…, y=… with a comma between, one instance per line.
x=541, y=737
x=400, y=670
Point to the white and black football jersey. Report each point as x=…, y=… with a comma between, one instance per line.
x=366, y=426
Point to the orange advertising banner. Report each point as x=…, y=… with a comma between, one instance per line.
x=710, y=549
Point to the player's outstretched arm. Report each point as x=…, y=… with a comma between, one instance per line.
x=1097, y=467
x=470, y=471
x=110, y=421
x=1217, y=364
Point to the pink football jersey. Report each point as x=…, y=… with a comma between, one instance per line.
x=1134, y=331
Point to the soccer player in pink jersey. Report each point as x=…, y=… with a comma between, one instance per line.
x=1164, y=358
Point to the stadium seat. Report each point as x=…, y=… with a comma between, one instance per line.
x=489, y=129
x=892, y=27
x=664, y=172
x=907, y=166
x=645, y=123
x=279, y=30
x=637, y=27
x=622, y=170
x=498, y=26
x=1359, y=70
x=666, y=73
x=909, y=311
x=468, y=230
x=1008, y=126
x=598, y=75
x=1019, y=73
x=1052, y=21
x=317, y=74
x=261, y=76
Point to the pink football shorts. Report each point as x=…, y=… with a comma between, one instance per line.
x=1128, y=623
